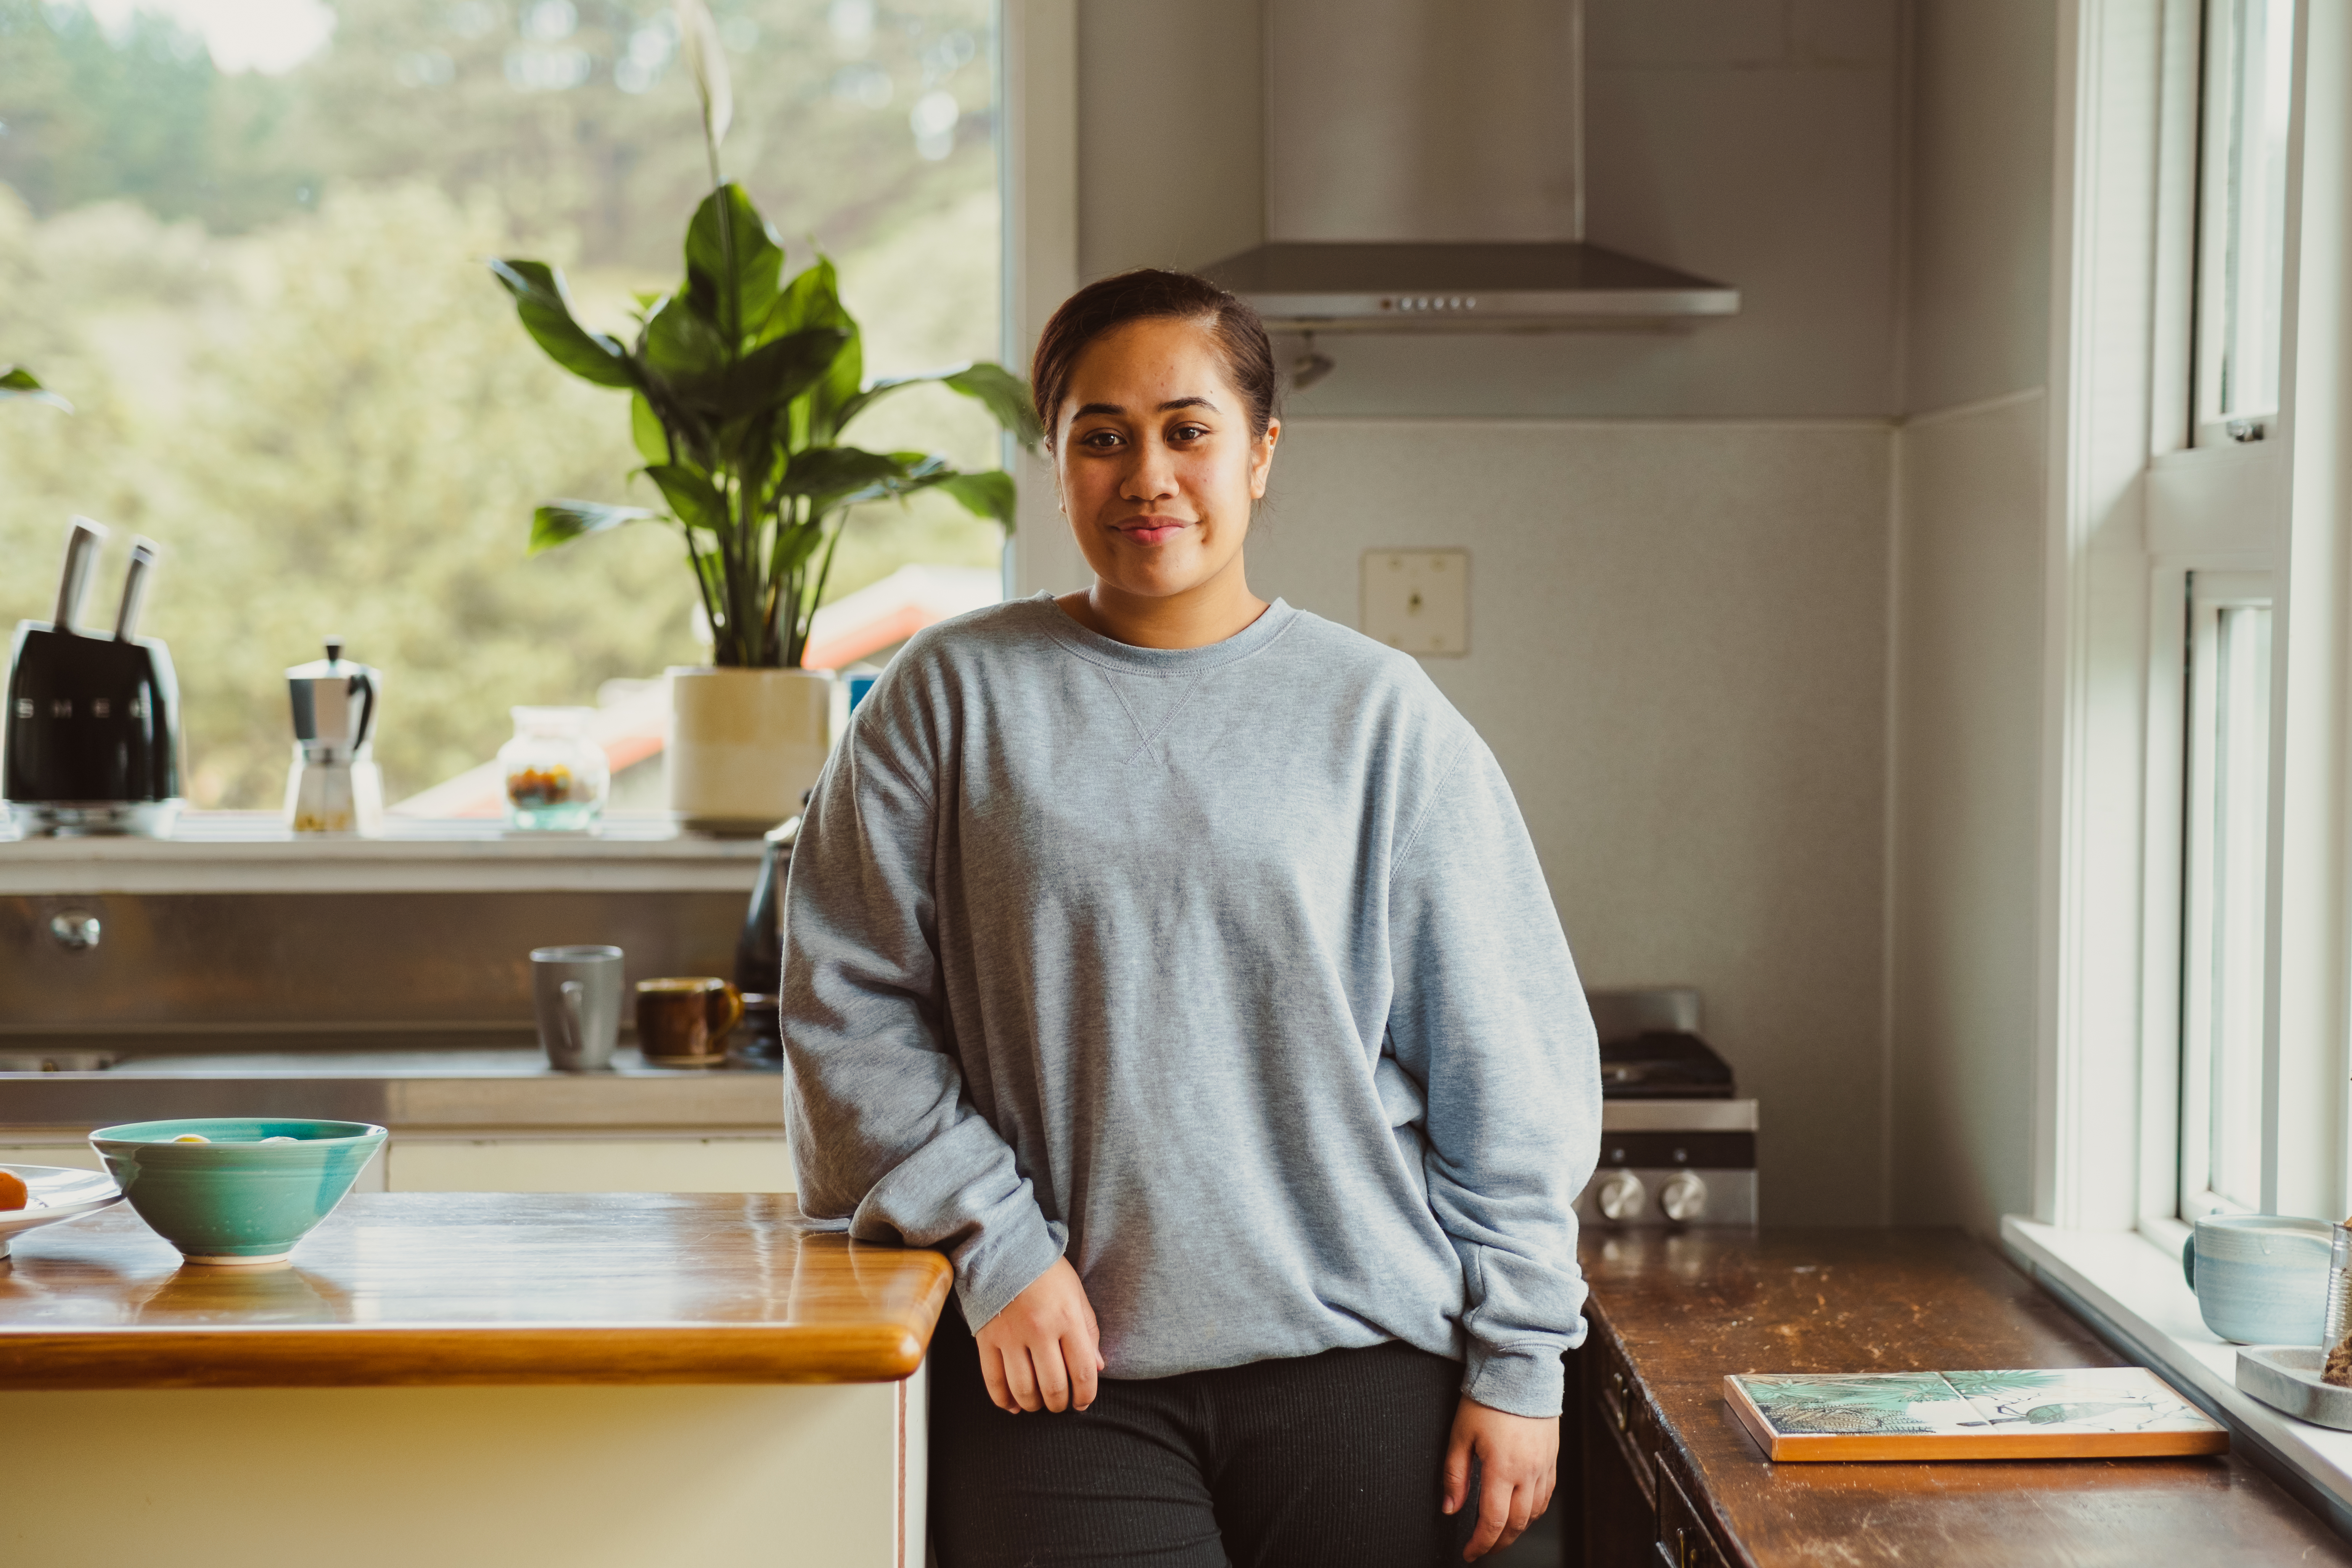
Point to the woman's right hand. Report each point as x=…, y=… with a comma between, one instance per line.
x=1043, y=1351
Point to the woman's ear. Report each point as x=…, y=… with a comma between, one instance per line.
x=1262, y=458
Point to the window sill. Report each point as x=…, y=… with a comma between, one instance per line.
x=251, y=852
x=2129, y=1287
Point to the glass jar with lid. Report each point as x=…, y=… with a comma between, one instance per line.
x=556, y=775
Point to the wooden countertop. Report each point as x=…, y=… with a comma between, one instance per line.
x=1684, y=1309
x=410, y=1288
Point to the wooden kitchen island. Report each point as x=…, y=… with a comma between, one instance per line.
x=1671, y=1478
x=470, y=1378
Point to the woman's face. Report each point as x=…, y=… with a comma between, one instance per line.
x=1157, y=464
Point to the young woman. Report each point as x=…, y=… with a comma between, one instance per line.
x=1179, y=965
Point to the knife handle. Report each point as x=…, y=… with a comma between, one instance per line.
x=134, y=588
x=81, y=554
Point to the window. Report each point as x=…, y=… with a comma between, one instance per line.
x=2215, y=509
x=2247, y=92
x=2225, y=910
x=245, y=237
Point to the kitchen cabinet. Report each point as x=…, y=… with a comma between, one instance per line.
x=524, y=1162
x=73, y=1153
x=479, y=1381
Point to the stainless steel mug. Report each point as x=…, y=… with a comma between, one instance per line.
x=576, y=992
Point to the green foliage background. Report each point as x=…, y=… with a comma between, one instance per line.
x=264, y=297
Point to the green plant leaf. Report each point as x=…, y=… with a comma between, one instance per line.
x=835, y=477
x=1005, y=396
x=772, y=376
x=1002, y=393
x=759, y=262
x=646, y=431
x=813, y=299
x=17, y=382
x=680, y=346
x=991, y=494
x=694, y=499
x=561, y=521
x=545, y=306
x=764, y=458
x=793, y=549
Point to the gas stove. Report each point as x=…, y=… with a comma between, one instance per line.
x=1677, y=1147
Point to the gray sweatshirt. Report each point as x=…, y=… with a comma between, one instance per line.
x=1229, y=972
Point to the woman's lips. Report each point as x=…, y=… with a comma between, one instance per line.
x=1152, y=529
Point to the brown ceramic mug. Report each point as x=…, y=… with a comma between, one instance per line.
x=682, y=1022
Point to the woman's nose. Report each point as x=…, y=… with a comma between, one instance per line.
x=1151, y=476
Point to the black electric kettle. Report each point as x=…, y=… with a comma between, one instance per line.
x=92, y=721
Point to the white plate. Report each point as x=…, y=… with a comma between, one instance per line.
x=59, y=1194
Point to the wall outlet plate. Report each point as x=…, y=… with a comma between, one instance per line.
x=1418, y=600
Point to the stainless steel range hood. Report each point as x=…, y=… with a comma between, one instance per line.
x=1424, y=172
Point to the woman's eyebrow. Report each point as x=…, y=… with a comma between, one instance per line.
x=1167, y=407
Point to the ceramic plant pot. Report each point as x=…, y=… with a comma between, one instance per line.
x=744, y=744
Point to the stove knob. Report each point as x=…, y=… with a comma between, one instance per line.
x=1622, y=1195
x=75, y=930
x=1684, y=1197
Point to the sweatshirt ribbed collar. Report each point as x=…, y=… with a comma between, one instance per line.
x=1100, y=649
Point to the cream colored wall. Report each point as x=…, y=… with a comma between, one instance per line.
x=1678, y=654
x=1983, y=94
x=1968, y=734
x=1971, y=510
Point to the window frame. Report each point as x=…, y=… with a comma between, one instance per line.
x=2209, y=510
x=2130, y=511
x=2215, y=506
x=2218, y=115
x=2212, y=597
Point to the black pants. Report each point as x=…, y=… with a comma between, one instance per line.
x=1328, y=1459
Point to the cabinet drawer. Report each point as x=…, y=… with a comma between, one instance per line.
x=1625, y=1411
x=1683, y=1541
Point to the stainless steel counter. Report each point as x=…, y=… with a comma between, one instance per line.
x=418, y=1091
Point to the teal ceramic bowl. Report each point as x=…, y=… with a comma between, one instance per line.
x=234, y=1199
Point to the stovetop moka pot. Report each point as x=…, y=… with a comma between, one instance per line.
x=92, y=722
x=333, y=786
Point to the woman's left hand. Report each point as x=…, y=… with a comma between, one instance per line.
x=1518, y=1460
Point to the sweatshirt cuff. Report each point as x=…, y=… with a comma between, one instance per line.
x=997, y=1267
x=1518, y=1380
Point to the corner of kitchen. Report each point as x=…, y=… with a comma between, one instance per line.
x=1876, y=475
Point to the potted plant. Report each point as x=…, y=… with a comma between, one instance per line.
x=741, y=385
